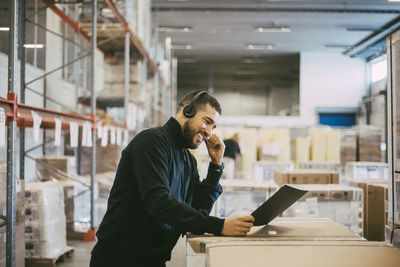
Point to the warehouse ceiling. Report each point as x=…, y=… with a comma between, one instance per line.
x=224, y=29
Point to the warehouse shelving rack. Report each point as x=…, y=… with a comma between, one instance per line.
x=18, y=115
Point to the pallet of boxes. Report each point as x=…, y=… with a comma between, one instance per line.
x=326, y=198
x=372, y=178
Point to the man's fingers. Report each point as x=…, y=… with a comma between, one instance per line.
x=248, y=218
x=247, y=224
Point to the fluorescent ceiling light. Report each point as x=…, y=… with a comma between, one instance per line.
x=363, y=29
x=33, y=45
x=4, y=29
x=273, y=29
x=259, y=46
x=182, y=46
x=341, y=46
x=394, y=0
x=174, y=29
x=246, y=72
x=252, y=60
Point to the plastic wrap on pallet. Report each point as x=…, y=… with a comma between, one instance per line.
x=343, y=204
x=77, y=210
x=264, y=170
x=333, y=166
x=45, y=234
x=358, y=171
x=241, y=197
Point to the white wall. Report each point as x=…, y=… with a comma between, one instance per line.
x=326, y=80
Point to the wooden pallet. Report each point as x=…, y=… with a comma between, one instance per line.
x=49, y=262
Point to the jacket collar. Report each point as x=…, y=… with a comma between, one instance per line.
x=175, y=130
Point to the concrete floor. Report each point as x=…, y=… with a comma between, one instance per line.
x=81, y=255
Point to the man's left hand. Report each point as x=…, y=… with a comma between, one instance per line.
x=216, y=148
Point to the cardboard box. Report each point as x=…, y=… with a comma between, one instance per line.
x=301, y=176
x=364, y=186
x=376, y=218
x=280, y=229
x=302, y=254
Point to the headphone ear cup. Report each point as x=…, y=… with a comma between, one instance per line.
x=189, y=111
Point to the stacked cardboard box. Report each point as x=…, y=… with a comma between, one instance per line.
x=280, y=229
x=301, y=176
x=369, y=140
x=45, y=233
x=348, y=146
x=265, y=170
x=107, y=158
x=114, y=77
x=302, y=254
x=340, y=203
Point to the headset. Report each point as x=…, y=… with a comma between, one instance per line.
x=190, y=110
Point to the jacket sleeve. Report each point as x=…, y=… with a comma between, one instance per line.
x=206, y=192
x=151, y=168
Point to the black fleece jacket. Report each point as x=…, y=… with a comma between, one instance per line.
x=156, y=196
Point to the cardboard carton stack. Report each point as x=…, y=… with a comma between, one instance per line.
x=301, y=176
x=369, y=140
x=265, y=170
x=45, y=233
x=348, y=147
x=340, y=203
x=114, y=77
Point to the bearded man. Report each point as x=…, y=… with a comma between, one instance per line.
x=157, y=194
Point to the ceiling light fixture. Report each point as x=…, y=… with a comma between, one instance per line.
x=182, y=46
x=338, y=46
x=33, y=45
x=4, y=29
x=394, y=0
x=273, y=29
x=259, y=46
x=174, y=29
x=252, y=60
x=363, y=29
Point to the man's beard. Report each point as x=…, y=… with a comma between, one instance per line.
x=188, y=135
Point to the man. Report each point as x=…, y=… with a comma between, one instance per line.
x=157, y=194
x=232, y=149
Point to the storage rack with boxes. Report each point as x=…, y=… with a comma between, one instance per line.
x=16, y=114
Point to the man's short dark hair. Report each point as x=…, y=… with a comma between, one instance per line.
x=203, y=100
